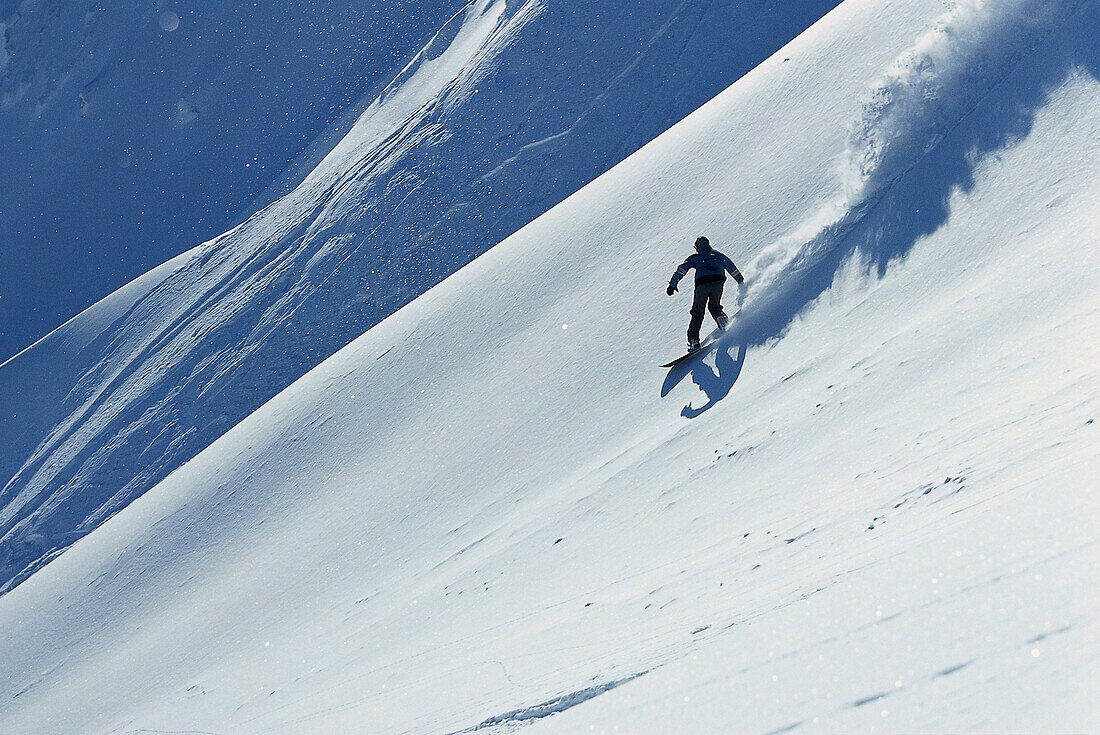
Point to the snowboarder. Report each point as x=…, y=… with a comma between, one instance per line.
x=710, y=267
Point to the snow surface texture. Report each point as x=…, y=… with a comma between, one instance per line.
x=134, y=129
x=479, y=516
x=507, y=110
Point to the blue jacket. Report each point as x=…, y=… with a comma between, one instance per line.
x=709, y=264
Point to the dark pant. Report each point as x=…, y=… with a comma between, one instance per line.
x=707, y=295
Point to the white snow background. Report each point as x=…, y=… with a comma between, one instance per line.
x=870, y=509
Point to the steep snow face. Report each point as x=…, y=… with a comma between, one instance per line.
x=509, y=108
x=133, y=130
x=868, y=510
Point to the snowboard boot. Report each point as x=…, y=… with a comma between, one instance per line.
x=723, y=322
x=693, y=344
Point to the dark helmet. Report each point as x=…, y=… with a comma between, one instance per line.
x=702, y=243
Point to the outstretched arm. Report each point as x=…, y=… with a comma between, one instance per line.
x=680, y=273
x=732, y=269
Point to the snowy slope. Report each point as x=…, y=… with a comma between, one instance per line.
x=508, y=109
x=135, y=129
x=869, y=511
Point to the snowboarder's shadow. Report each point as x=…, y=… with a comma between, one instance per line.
x=716, y=382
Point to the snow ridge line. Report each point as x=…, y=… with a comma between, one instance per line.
x=924, y=94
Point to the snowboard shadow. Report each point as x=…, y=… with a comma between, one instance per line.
x=715, y=382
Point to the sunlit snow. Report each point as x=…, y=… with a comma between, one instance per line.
x=868, y=510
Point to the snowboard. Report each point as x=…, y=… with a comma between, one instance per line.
x=705, y=345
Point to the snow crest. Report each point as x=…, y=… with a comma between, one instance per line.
x=920, y=98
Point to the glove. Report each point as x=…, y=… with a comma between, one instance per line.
x=670, y=290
